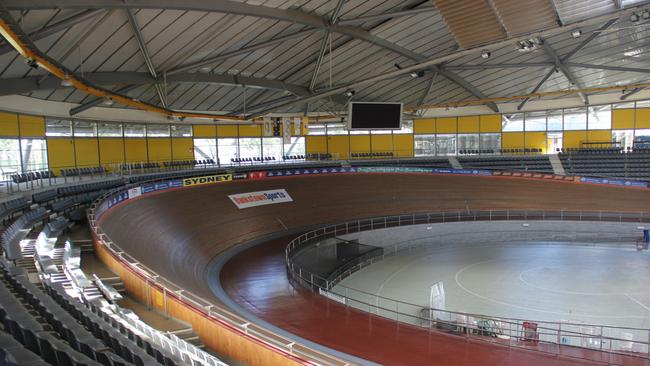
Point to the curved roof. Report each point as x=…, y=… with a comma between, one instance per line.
x=254, y=57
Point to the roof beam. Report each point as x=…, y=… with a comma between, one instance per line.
x=428, y=90
x=135, y=28
x=30, y=84
x=536, y=88
x=465, y=85
x=389, y=15
x=559, y=63
x=97, y=101
x=606, y=67
x=630, y=93
x=498, y=66
x=55, y=27
x=591, y=37
x=323, y=46
x=242, y=51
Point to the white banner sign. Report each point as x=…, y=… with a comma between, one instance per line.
x=261, y=198
x=135, y=192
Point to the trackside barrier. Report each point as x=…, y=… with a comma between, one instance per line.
x=550, y=337
x=210, y=312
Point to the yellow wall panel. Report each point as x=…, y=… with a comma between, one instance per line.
x=160, y=149
x=60, y=154
x=490, y=123
x=316, y=144
x=182, y=149
x=403, y=146
x=111, y=151
x=468, y=124
x=204, y=131
x=643, y=118
x=303, y=126
x=446, y=125
x=424, y=126
x=512, y=140
x=135, y=150
x=573, y=139
x=599, y=136
x=360, y=143
x=227, y=131
x=381, y=143
x=31, y=126
x=87, y=152
x=623, y=119
x=250, y=130
x=338, y=146
x=8, y=124
x=536, y=140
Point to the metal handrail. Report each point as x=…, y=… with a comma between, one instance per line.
x=210, y=310
x=599, y=337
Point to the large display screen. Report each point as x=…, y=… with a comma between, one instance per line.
x=375, y=116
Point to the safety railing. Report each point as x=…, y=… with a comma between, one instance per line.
x=550, y=337
x=209, y=310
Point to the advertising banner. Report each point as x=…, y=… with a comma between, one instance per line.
x=135, y=192
x=208, y=179
x=261, y=198
x=309, y=171
x=614, y=182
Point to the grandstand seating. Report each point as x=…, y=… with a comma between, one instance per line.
x=76, y=172
x=13, y=234
x=607, y=163
x=32, y=176
x=319, y=156
x=10, y=207
x=293, y=157
x=139, y=166
x=371, y=155
x=252, y=160
x=539, y=163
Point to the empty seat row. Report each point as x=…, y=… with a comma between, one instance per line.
x=180, y=163
x=88, y=187
x=8, y=208
x=254, y=159
x=319, y=156
x=74, y=172
x=31, y=176
x=15, y=232
x=12, y=353
x=138, y=166
x=590, y=150
x=521, y=151
x=293, y=157
x=477, y=151
x=44, y=196
x=376, y=154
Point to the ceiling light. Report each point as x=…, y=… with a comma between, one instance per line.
x=576, y=33
x=645, y=15
x=634, y=17
x=65, y=81
x=205, y=69
x=349, y=93
x=414, y=74
x=31, y=63
x=108, y=102
x=633, y=53
x=485, y=54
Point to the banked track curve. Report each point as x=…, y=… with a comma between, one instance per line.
x=179, y=233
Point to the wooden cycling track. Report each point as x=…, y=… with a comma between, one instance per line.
x=178, y=233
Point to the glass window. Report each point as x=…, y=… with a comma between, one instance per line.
x=554, y=120
x=359, y=132
x=337, y=129
x=296, y=147
x=468, y=142
x=575, y=119
x=182, y=131
x=58, y=127
x=84, y=128
x=600, y=117
x=626, y=105
x=131, y=130
x=513, y=122
x=109, y=129
x=9, y=156
x=228, y=149
x=205, y=149
x=425, y=145
x=536, y=121
x=625, y=137
x=407, y=127
x=643, y=104
x=272, y=147
x=315, y=129
x=446, y=144
x=490, y=141
x=34, y=152
x=250, y=147
x=157, y=130
x=642, y=139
